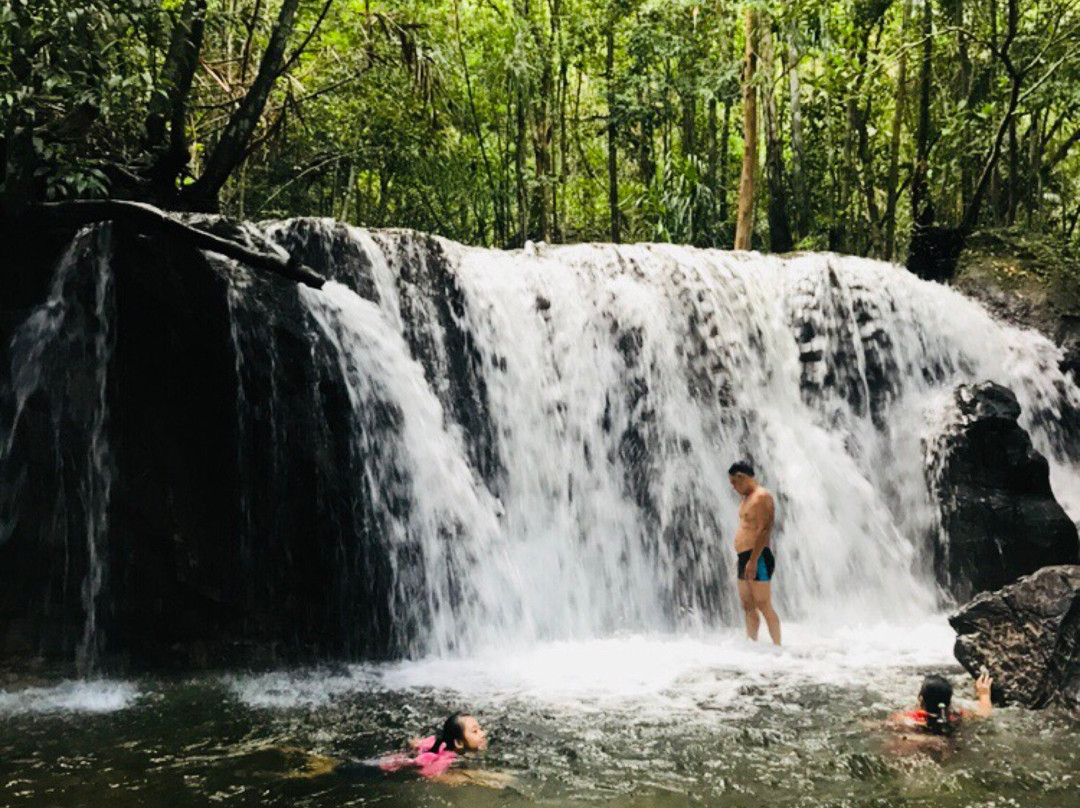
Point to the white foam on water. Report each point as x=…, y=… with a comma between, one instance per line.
x=654, y=674
x=287, y=690
x=81, y=696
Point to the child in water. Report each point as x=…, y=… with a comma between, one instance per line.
x=933, y=713
x=434, y=755
x=432, y=758
x=926, y=728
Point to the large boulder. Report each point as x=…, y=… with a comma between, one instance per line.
x=1028, y=636
x=1000, y=519
x=190, y=474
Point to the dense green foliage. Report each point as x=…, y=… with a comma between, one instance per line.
x=487, y=120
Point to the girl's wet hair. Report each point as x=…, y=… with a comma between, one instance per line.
x=936, y=696
x=453, y=733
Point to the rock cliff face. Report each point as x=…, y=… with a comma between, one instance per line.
x=1000, y=519
x=1028, y=636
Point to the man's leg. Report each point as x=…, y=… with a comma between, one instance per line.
x=753, y=622
x=761, y=593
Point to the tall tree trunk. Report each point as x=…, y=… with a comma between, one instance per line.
x=779, y=225
x=962, y=92
x=859, y=163
x=1008, y=120
x=711, y=154
x=688, y=98
x=169, y=102
x=232, y=147
x=542, y=149
x=935, y=250
x=995, y=178
x=744, y=225
x=500, y=227
x=1033, y=185
x=519, y=168
x=722, y=174
x=612, y=152
x=922, y=210
x=867, y=174
x=1014, y=175
x=798, y=156
x=893, y=181
x=564, y=142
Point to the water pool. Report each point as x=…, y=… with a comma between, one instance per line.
x=626, y=721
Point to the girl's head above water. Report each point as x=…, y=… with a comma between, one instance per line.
x=462, y=733
x=935, y=697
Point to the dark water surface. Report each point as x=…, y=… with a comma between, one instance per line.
x=608, y=723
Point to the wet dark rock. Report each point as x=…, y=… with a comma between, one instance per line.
x=844, y=356
x=1000, y=519
x=1067, y=337
x=1028, y=636
x=229, y=535
x=231, y=540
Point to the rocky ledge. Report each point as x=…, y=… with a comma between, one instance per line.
x=1029, y=280
x=1028, y=636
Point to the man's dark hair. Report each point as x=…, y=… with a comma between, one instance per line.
x=741, y=467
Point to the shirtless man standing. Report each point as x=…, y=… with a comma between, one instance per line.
x=756, y=563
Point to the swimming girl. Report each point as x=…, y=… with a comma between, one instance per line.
x=434, y=755
x=432, y=758
x=933, y=713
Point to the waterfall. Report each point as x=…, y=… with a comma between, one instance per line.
x=618, y=384
x=448, y=448
x=54, y=449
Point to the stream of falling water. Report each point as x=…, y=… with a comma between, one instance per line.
x=610, y=387
x=60, y=355
x=620, y=383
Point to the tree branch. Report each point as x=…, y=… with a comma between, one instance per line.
x=148, y=219
x=307, y=40
x=1062, y=151
x=230, y=148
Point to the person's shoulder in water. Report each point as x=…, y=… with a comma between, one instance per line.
x=934, y=717
x=433, y=757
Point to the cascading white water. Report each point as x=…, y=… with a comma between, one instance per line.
x=621, y=382
x=450, y=522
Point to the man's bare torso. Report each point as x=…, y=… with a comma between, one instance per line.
x=753, y=514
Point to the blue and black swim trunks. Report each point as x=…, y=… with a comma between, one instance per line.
x=765, y=565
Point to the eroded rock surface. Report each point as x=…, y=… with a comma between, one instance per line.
x=1028, y=636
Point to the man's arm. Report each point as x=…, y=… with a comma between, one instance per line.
x=764, y=511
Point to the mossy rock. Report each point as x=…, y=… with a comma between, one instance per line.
x=1027, y=278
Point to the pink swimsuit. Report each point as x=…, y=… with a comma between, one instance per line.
x=429, y=761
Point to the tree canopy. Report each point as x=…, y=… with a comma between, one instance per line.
x=496, y=121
